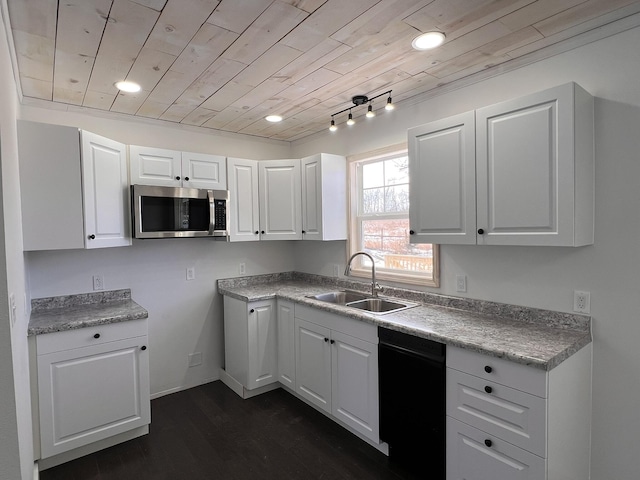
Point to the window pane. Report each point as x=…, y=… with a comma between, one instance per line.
x=373, y=175
x=396, y=171
x=388, y=242
x=373, y=200
x=396, y=199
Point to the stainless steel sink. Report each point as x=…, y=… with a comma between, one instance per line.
x=341, y=298
x=379, y=305
x=362, y=301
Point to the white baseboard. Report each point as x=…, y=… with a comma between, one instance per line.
x=182, y=387
x=240, y=389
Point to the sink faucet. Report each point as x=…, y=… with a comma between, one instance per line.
x=375, y=287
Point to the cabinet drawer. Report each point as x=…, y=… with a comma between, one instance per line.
x=517, y=417
x=498, y=370
x=84, y=337
x=356, y=328
x=470, y=458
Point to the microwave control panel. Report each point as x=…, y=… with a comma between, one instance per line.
x=220, y=214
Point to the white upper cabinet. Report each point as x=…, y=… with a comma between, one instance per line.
x=74, y=189
x=105, y=192
x=201, y=170
x=324, y=197
x=158, y=166
x=534, y=173
x=442, y=183
x=265, y=199
x=280, y=199
x=243, y=198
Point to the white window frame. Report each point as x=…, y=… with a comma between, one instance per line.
x=354, y=240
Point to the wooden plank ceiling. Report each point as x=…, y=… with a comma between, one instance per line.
x=226, y=64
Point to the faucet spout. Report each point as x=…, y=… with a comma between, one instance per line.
x=375, y=288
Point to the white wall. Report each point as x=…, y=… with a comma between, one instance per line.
x=16, y=446
x=546, y=277
x=184, y=316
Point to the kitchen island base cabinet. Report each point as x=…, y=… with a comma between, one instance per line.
x=93, y=384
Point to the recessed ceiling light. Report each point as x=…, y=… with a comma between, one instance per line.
x=126, y=86
x=428, y=40
x=273, y=118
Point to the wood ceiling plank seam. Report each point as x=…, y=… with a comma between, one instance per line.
x=185, y=58
x=104, y=28
x=33, y=25
x=245, y=12
x=536, y=12
x=72, y=48
x=112, y=30
x=124, y=94
x=588, y=10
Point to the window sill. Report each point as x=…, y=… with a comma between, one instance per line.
x=404, y=278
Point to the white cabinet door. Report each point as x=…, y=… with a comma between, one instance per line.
x=324, y=197
x=474, y=455
x=280, y=200
x=91, y=393
x=286, y=344
x=244, y=201
x=155, y=166
x=105, y=192
x=50, y=186
x=442, y=181
x=263, y=363
x=535, y=169
x=313, y=363
x=354, y=391
x=201, y=170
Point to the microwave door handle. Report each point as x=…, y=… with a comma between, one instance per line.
x=212, y=212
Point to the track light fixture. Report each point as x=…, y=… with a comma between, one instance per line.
x=361, y=100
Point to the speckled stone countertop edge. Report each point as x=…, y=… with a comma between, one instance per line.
x=563, y=337
x=71, y=312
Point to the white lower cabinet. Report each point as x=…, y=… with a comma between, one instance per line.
x=472, y=454
x=507, y=421
x=286, y=344
x=337, y=368
x=93, y=383
x=250, y=342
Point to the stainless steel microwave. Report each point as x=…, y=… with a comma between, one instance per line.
x=170, y=212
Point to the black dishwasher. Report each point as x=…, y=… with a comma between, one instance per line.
x=412, y=402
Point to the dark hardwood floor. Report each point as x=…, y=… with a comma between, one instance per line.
x=208, y=432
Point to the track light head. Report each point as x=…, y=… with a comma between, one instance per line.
x=333, y=127
x=370, y=112
x=389, y=105
x=350, y=121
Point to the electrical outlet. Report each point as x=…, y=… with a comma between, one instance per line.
x=242, y=268
x=461, y=283
x=195, y=359
x=98, y=282
x=336, y=270
x=191, y=273
x=581, y=302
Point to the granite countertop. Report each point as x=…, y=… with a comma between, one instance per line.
x=535, y=337
x=69, y=312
